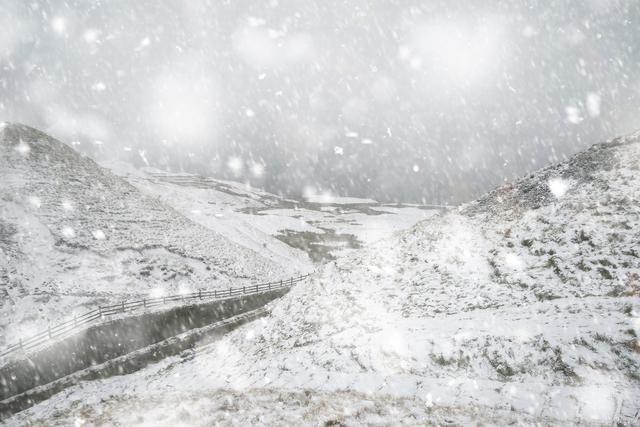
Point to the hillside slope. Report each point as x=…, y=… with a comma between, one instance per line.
x=72, y=234
x=521, y=306
x=285, y=230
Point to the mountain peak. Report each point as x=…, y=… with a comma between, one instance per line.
x=21, y=143
x=11, y=130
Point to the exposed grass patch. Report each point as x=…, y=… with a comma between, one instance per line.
x=500, y=365
x=319, y=245
x=605, y=273
x=606, y=263
x=545, y=296
x=582, y=266
x=553, y=264
x=581, y=237
x=602, y=338
x=526, y=242
x=559, y=365
x=460, y=361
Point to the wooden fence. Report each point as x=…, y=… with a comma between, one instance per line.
x=102, y=312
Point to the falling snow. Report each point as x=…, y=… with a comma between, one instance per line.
x=558, y=187
x=460, y=178
x=98, y=234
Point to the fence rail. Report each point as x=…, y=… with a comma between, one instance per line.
x=98, y=314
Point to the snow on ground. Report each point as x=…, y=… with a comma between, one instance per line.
x=522, y=306
x=263, y=407
x=369, y=228
x=73, y=236
x=253, y=218
x=336, y=200
x=218, y=205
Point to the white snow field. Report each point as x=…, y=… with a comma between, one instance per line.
x=74, y=235
x=278, y=228
x=522, y=306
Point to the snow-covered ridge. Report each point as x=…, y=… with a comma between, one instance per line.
x=524, y=302
x=551, y=183
x=74, y=234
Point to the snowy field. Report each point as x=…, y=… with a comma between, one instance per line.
x=522, y=306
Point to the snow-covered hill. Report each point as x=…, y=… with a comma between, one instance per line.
x=280, y=229
x=74, y=235
x=521, y=306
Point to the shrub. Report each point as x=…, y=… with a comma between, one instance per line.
x=605, y=273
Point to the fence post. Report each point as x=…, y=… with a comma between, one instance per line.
x=144, y=302
x=100, y=310
x=164, y=300
x=269, y=285
x=280, y=282
x=200, y=294
x=256, y=288
x=291, y=281
x=123, y=306
x=229, y=291
x=243, y=290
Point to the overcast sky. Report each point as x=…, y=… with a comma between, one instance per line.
x=434, y=101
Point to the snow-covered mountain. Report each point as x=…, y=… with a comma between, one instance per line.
x=74, y=235
x=520, y=306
